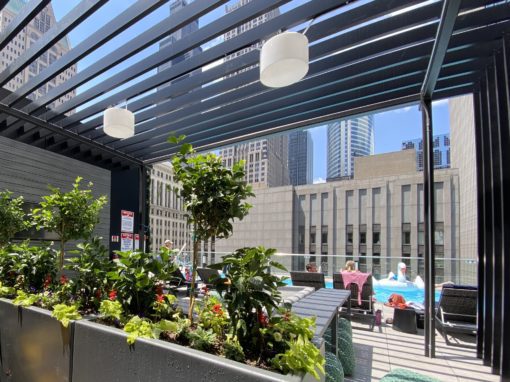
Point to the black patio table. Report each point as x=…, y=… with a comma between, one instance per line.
x=323, y=304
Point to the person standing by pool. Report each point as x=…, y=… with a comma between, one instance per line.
x=350, y=266
x=311, y=267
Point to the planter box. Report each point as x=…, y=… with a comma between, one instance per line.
x=102, y=354
x=34, y=346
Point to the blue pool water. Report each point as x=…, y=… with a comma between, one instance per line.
x=383, y=293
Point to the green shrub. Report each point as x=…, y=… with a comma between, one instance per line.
x=334, y=369
x=345, y=326
x=399, y=375
x=346, y=353
x=12, y=217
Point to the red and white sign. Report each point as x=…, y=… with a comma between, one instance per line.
x=115, y=238
x=127, y=221
x=126, y=241
x=137, y=242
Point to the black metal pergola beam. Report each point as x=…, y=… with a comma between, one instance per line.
x=21, y=20
x=55, y=129
x=348, y=18
x=444, y=32
x=58, y=31
x=114, y=27
x=164, y=28
x=224, y=24
x=166, y=121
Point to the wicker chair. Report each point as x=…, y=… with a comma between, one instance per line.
x=308, y=279
x=208, y=276
x=456, y=313
x=365, y=310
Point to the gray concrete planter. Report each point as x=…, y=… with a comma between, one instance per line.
x=34, y=346
x=102, y=354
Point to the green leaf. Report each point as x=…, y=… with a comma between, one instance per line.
x=65, y=313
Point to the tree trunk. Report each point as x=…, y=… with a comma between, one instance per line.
x=62, y=253
x=196, y=245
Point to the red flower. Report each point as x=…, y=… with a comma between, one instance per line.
x=160, y=298
x=98, y=293
x=263, y=319
x=47, y=281
x=112, y=295
x=63, y=280
x=205, y=290
x=159, y=289
x=217, y=309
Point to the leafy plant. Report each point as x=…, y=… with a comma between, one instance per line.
x=71, y=215
x=6, y=291
x=27, y=267
x=165, y=306
x=233, y=349
x=25, y=299
x=302, y=356
x=65, y=313
x=12, y=217
x=90, y=268
x=213, y=197
x=136, y=277
x=252, y=294
x=202, y=339
x=139, y=327
x=111, y=310
x=211, y=315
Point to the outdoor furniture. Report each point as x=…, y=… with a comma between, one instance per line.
x=404, y=320
x=456, y=313
x=323, y=305
x=365, y=310
x=208, y=276
x=311, y=279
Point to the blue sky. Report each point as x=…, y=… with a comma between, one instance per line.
x=391, y=127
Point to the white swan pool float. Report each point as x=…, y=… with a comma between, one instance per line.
x=399, y=280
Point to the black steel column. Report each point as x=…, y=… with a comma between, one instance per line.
x=429, y=225
x=502, y=78
x=143, y=209
x=497, y=205
x=480, y=221
x=488, y=244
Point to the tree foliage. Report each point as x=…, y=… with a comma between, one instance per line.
x=213, y=196
x=12, y=217
x=71, y=215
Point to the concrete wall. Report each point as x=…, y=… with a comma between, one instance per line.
x=396, y=163
x=27, y=170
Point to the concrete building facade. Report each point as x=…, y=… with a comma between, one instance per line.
x=167, y=216
x=34, y=30
x=348, y=139
x=441, y=149
x=300, y=158
x=463, y=153
x=375, y=220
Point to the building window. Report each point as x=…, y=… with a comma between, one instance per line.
x=439, y=236
x=406, y=238
x=362, y=237
x=376, y=238
x=313, y=235
x=349, y=238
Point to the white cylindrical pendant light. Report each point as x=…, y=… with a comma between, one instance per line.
x=284, y=59
x=118, y=123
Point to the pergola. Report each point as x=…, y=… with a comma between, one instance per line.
x=365, y=56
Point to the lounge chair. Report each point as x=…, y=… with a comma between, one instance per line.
x=178, y=283
x=308, y=279
x=208, y=276
x=365, y=310
x=456, y=313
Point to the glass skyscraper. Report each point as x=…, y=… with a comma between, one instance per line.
x=441, y=147
x=300, y=158
x=348, y=139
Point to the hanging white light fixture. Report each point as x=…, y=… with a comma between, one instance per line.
x=119, y=123
x=284, y=59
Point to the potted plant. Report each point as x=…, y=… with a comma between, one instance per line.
x=213, y=196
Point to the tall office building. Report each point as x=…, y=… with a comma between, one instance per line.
x=300, y=158
x=166, y=214
x=348, y=139
x=28, y=36
x=441, y=151
x=176, y=6
x=462, y=130
x=266, y=159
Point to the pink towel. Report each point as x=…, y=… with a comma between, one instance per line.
x=358, y=278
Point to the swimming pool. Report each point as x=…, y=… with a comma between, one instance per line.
x=383, y=293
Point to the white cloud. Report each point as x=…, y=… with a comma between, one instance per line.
x=403, y=110
x=441, y=102
x=319, y=180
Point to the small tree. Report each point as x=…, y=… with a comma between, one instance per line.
x=213, y=197
x=12, y=217
x=71, y=215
